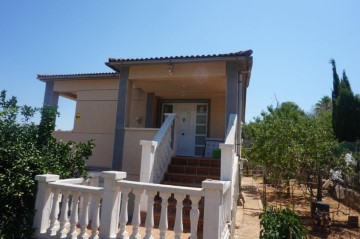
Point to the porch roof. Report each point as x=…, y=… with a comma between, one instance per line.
x=89, y=76
x=234, y=56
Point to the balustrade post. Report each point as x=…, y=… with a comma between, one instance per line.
x=146, y=167
x=109, y=220
x=136, y=220
x=213, y=210
x=123, y=234
x=93, y=181
x=227, y=156
x=43, y=203
x=163, y=224
x=227, y=167
x=194, y=215
x=54, y=213
x=149, y=222
x=178, y=227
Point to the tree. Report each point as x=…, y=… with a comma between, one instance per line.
x=323, y=105
x=291, y=144
x=28, y=149
x=346, y=108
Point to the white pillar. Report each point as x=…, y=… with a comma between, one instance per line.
x=43, y=203
x=110, y=204
x=213, y=210
x=146, y=167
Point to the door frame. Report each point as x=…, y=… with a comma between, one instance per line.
x=184, y=101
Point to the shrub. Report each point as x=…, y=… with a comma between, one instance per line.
x=28, y=149
x=281, y=224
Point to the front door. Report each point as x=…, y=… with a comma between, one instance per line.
x=186, y=129
x=192, y=127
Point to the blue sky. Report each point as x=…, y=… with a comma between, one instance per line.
x=292, y=41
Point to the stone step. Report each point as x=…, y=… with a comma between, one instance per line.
x=191, y=161
x=187, y=178
x=199, y=170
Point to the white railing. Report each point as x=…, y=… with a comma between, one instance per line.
x=109, y=217
x=156, y=154
x=229, y=159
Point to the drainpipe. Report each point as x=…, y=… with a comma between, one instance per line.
x=239, y=115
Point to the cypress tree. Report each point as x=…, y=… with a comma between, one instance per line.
x=335, y=94
x=346, y=108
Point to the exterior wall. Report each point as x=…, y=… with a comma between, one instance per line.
x=132, y=150
x=96, y=105
x=137, y=109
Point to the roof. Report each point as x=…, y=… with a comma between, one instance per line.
x=45, y=77
x=233, y=55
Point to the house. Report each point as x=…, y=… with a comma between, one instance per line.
x=142, y=115
x=121, y=108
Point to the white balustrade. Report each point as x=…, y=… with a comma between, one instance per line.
x=65, y=222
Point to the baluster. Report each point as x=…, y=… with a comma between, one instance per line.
x=163, y=225
x=64, y=215
x=149, y=223
x=95, y=219
x=84, y=215
x=194, y=216
x=54, y=213
x=74, y=215
x=136, y=221
x=178, y=227
x=123, y=213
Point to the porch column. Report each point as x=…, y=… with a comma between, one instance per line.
x=149, y=110
x=120, y=119
x=51, y=97
x=231, y=101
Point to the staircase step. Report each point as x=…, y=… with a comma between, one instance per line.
x=188, y=178
x=200, y=170
x=190, y=161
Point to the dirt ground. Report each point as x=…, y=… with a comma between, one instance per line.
x=300, y=202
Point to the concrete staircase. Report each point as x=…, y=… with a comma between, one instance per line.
x=190, y=172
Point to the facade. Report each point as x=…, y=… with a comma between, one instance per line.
x=121, y=108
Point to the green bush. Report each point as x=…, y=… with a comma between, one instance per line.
x=28, y=149
x=281, y=224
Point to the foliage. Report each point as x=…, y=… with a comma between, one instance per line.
x=278, y=224
x=324, y=105
x=291, y=144
x=346, y=108
x=216, y=153
x=28, y=149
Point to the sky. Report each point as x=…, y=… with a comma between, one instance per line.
x=292, y=42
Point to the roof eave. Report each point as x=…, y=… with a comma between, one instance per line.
x=116, y=65
x=47, y=78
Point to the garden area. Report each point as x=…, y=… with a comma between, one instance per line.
x=338, y=226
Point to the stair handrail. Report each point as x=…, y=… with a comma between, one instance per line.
x=229, y=162
x=156, y=153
